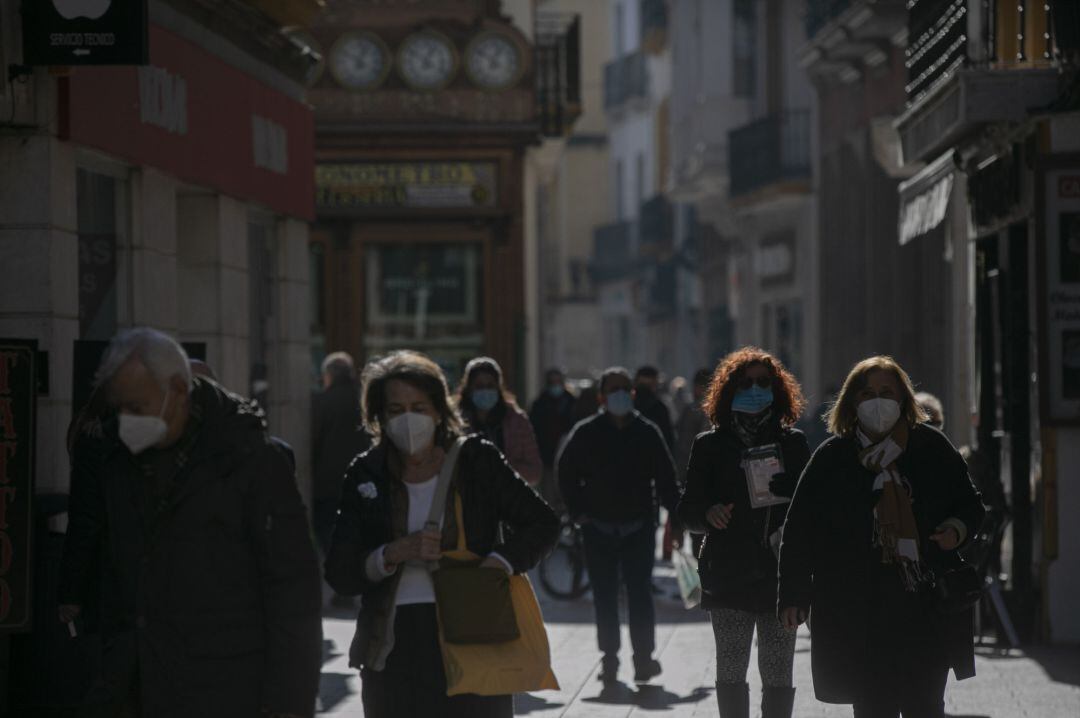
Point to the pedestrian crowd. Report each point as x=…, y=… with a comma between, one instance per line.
x=190, y=552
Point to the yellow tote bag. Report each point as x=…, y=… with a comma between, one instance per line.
x=494, y=669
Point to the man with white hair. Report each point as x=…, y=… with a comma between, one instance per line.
x=211, y=593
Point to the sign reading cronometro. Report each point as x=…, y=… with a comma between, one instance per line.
x=400, y=185
x=18, y=402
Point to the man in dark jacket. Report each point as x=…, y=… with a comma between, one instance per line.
x=210, y=585
x=552, y=417
x=613, y=467
x=336, y=439
x=647, y=401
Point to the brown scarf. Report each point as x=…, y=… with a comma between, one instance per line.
x=895, y=530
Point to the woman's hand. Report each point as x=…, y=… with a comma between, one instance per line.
x=420, y=546
x=719, y=516
x=947, y=538
x=792, y=617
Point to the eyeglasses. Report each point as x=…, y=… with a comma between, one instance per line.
x=746, y=382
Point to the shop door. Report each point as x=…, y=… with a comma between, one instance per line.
x=1004, y=339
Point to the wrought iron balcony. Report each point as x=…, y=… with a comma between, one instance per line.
x=612, y=258
x=625, y=79
x=769, y=151
x=656, y=224
x=558, y=73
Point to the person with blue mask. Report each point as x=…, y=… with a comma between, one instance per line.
x=612, y=469
x=752, y=402
x=491, y=411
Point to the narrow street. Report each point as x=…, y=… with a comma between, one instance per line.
x=1042, y=683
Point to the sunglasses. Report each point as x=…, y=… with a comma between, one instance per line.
x=746, y=382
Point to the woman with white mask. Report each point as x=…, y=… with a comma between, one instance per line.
x=490, y=410
x=385, y=541
x=870, y=552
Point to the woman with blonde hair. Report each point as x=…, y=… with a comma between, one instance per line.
x=870, y=552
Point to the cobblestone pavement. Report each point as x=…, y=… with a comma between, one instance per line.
x=1039, y=683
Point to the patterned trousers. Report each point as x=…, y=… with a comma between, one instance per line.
x=734, y=633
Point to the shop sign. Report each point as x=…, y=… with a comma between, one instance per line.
x=18, y=404
x=201, y=120
x=84, y=32
x=1062, y=296
x=774, y=261
x=405, y=185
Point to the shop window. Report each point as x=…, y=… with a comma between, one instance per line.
x=782, y=331
x=317, y=320
x=262, y=271
x=744, y=48
x=101, y=218
x=427, y=297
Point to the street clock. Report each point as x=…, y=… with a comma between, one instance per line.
x=427, y=61
x=493, y=61
x=359, y=61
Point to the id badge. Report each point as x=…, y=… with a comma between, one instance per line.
x=760, y=464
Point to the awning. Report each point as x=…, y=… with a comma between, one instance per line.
x=924, y=199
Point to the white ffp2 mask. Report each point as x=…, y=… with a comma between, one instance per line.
x=411, y=432
x=879, y=416
x=139, y=433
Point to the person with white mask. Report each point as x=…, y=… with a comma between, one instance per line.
x=869, y=552
x=210, y=590
x=613, y=468
x=384, y=540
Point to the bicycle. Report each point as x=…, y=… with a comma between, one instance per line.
x=563, y=574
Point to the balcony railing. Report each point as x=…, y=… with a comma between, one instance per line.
x=611, y=257
x=625, y=79
x=771, y=150
x=937, y=43
x=656, y=223
x=820, y=12
x=558, y=73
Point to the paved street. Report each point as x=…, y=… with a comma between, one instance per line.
x=1044, y=683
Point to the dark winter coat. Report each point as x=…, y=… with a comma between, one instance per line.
x=336, y=437
x=657, y=412
x=552, y=418
x=215, y=607
x=737, y=566
x=617, y=475
x=492, y=495
x=829, y=566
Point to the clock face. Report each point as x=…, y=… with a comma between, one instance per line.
x=359, y=61
x=427, y=61
x=493, y=61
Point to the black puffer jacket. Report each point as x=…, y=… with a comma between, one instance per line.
x=217, y=611
x=737, y=567
x=492, y=495
x=829, y=566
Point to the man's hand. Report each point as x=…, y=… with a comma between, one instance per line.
x=420, y=546
x=946, y=538
x=68, y=612
x=719, y=516
x=792, y=617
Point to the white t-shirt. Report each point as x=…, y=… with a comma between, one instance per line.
x=416, y=585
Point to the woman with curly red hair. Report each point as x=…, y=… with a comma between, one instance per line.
x=753, y=403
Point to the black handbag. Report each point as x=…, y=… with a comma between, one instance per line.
x=957, y=589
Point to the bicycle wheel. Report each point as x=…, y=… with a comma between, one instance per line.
x=563, y=574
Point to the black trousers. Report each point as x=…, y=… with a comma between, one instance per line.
x=413, y=684
x=612, y=558
x=907, y=667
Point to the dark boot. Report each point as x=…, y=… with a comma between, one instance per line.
x=733, y=700
x=777, y=702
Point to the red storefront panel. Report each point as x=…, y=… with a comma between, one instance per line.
x=192, y=115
